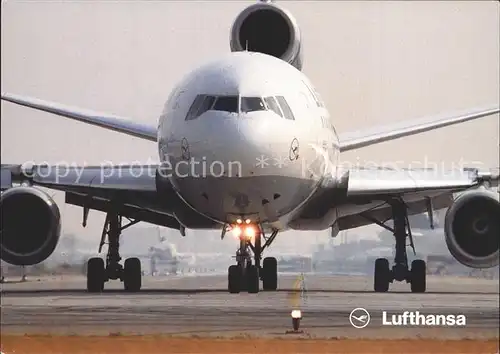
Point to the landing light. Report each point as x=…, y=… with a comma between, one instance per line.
x=238, y=221
x=248, y=221
x=237, y=231
x=249, y=232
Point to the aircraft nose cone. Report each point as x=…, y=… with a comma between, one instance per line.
x=229, y=145
x=222, y=144
x=238, y=145
x=257, y=143
x=240, y=173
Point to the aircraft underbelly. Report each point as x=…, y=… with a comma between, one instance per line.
x=263, y=198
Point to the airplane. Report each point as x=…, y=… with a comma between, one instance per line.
x=246, y=146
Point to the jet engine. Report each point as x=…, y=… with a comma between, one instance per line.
x=267, y=28
x=30, y=226
x=472, y=229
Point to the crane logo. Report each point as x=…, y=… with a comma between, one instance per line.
x=359, y=318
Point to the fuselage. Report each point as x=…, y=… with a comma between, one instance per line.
x=246, y=137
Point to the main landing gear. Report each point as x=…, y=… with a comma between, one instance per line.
x=99, y=272
x=400, y=271
x=245, y=275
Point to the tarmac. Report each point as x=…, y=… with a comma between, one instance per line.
x=201, y=306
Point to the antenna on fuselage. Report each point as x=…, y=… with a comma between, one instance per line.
x=246, y=46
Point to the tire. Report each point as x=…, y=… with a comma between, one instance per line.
x=418, y=276
x=270, y=274
x=234, y=279
x=95, y=275
x=132, y=275
x=382, y=276
x=252, y=278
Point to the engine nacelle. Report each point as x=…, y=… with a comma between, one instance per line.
x=472, y=229
x=31, y=226
x=267, y=28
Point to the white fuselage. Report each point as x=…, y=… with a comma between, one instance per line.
x=238, y=158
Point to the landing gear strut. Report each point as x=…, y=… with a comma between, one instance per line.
x=400, y=270
x=245, y=275
x=99, y=272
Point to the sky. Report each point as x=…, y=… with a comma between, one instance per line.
x=372, y=62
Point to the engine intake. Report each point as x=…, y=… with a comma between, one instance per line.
x=472, y=229
x=31, y=226
x=268, y=29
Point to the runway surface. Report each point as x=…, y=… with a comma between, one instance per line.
x=201, y=306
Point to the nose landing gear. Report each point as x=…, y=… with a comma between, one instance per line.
x=246, y=275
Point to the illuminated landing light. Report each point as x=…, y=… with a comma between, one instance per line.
x=296, y=317
x=248, y=231
x=237, y=231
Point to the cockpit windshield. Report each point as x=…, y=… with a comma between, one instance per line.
x=204, y=103
x=201, y=104
x=273, y=105
x=252, y=104
x=226, y=104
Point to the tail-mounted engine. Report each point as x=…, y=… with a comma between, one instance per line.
x=267, y=28
x=472, y=229
x=30, y=226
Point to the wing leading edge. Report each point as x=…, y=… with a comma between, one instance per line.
x=387, y=182
x=133, y=190
x=348, y=141
x=356, y=140
x=103, y=120
x=362, y=195
x=421, y=190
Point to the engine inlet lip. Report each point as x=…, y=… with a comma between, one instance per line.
x=44, y=198
x=453, y=243
x=295, y=35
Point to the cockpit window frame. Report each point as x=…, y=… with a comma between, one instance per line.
x=262, y=101
x=217, y=98
x=288, y=112
x=198, y=107
x=280, y=111
x=193, y=110
x=209, y=106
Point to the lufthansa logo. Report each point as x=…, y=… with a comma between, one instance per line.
x=359, y=318
x=294, y=150
x=186, y=155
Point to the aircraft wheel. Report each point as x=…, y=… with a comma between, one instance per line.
x=132, y=275
x=234, y=279
x=270, y=276
x=95, y=275
x=252, y=278
x=418, y=276
x=382, y=275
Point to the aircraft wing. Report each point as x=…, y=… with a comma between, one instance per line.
x=104, y=120
x=392, y=182
x=361, y=195
x=422, y=190
x=356, y=140
x=132, y=189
